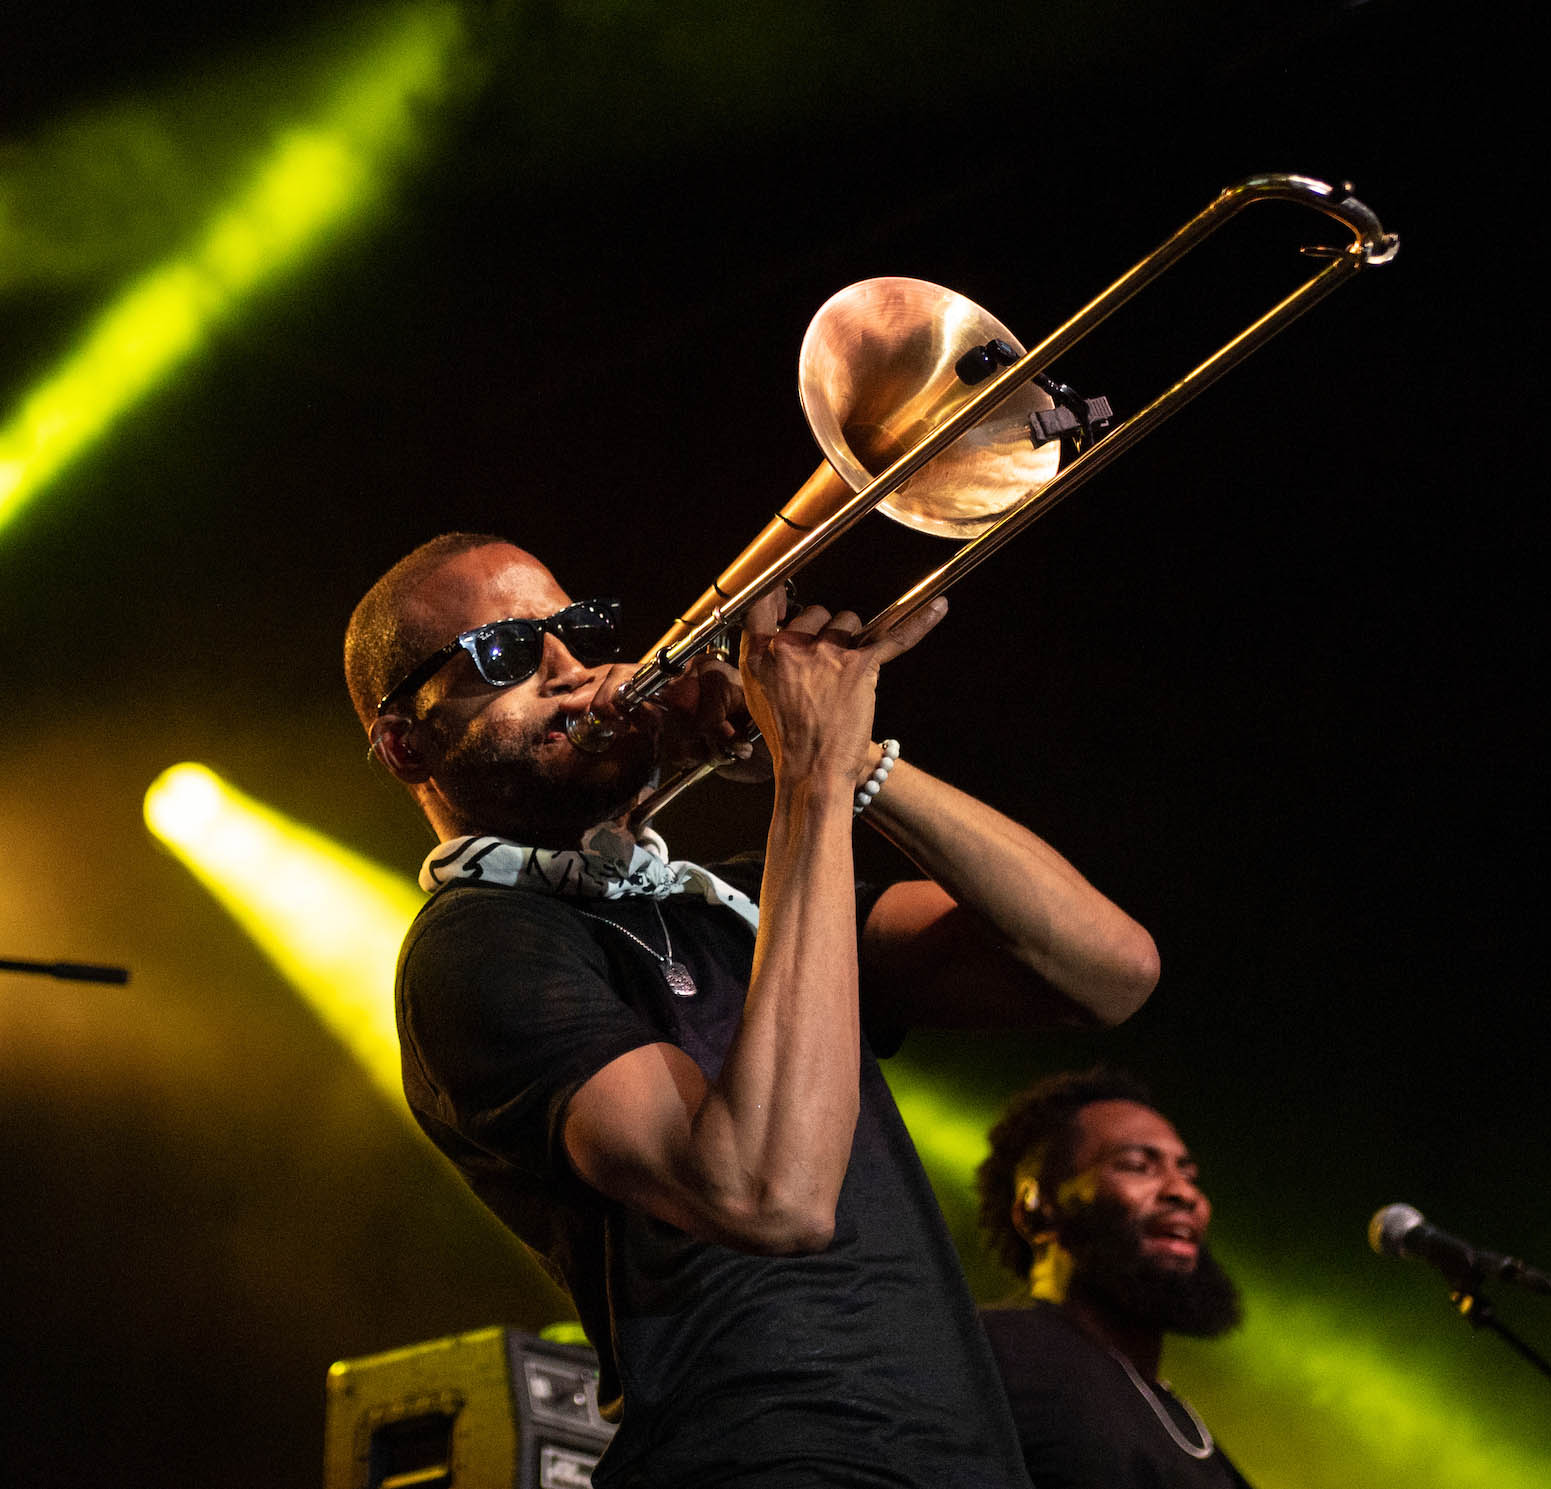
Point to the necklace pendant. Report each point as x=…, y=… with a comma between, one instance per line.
x=677, y=976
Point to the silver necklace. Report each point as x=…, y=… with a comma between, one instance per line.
x=674, y=973
x=1207, y=1446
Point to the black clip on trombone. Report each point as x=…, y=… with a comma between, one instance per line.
x=1076, y=421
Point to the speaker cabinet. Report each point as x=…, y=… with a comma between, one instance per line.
x=492, y=1409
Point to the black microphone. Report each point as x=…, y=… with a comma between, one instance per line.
x=1400, y=1230
x=71, y=971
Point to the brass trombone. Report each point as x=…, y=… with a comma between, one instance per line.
x=900, y=385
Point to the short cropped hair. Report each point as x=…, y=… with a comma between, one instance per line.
x=383, y=642
x=1037, y=1135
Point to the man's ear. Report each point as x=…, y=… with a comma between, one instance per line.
x=1029, y=1217
x=392, y=737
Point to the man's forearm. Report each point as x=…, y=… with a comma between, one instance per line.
x=780, y=1117
x=1036, y=907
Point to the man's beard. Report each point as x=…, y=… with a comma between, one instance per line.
x=500, y=782
x=1119, y=1278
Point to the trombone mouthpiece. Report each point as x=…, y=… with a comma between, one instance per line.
x=588, y=733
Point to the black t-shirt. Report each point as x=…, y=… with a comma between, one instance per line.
x=1080, y=1418
x=859, y=1365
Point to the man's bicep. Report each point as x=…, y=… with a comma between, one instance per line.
x=629, y=1132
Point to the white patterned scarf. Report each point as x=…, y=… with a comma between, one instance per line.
x=611, y=865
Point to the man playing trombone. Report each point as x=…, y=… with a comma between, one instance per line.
x=664, y=1078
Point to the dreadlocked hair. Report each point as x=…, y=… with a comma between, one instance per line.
x=1036, y=1136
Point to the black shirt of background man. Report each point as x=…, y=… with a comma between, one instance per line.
x=861, y=1365
x=1080, y=1418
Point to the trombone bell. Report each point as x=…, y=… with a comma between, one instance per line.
x=877, y=374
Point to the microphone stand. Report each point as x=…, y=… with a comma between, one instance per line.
x=1477, y=1310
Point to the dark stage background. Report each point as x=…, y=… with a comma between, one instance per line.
x=1269, y=682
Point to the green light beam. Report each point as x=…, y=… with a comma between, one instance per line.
x=316, y=179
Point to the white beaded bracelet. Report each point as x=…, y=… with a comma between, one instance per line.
x=874, y=783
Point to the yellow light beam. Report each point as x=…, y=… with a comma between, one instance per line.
x=315, y=179
x=330, y=920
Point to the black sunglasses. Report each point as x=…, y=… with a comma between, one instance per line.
x=508, y=651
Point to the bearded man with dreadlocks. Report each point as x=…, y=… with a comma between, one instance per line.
x=1091, y=1197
